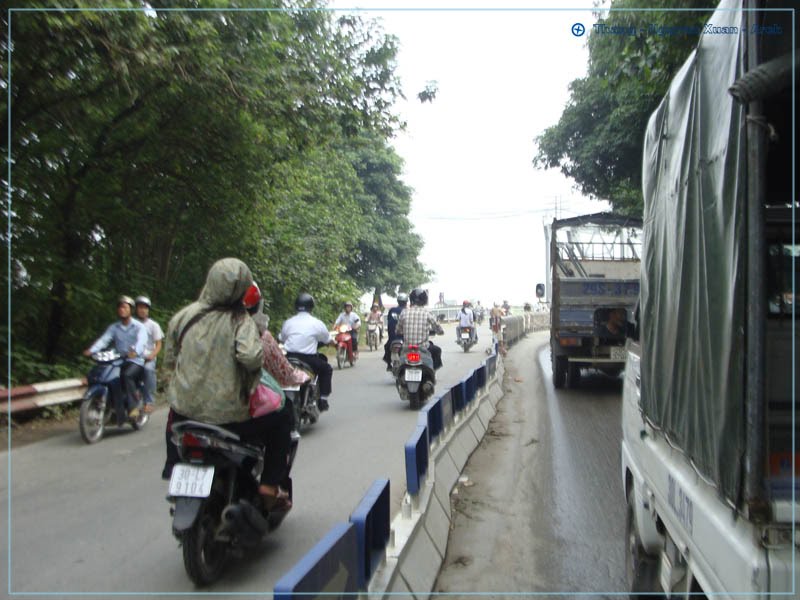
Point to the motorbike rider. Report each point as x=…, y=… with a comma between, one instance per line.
x=154, y=341
x=466, y=318
x=392, y=318
x=349, y=318
x=215, y=354
x=129, y=338
x=376, y=316
x=416, y=323
x=301, y=335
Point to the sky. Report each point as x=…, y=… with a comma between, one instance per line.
x=502, y=77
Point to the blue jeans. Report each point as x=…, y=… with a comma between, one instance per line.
x=149, y=390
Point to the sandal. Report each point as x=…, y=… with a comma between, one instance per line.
x=276, y=502
x=148, y=408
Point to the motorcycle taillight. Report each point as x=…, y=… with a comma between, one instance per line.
x=413, y=357
x=190, y=441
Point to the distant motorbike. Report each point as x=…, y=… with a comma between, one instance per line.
x=466, y=339
x=98, y=409
x=344, y=345
x=416, y=378
x=372, y=335
x=305, y=397
x=217, y=511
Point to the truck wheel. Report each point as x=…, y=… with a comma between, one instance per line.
x=573, y=374
x=559, y=371
x=641, y=569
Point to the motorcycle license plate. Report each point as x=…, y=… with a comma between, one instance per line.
x=618, y=353
x=464, y=336
x=191, y=480
x=413, y=374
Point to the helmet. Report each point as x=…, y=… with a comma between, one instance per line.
x=304, y=302
x=419, y=297
x=143, y=300
x=402, y=299
x=466, y=303
x=252, y=296
x=346, y=304
x=126, y=300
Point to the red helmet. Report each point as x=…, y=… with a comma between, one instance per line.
x=465, y=303
x=252, y=296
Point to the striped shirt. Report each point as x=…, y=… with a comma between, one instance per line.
x=415, y=324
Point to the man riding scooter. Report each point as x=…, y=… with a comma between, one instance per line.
x=466, y=318
x=416, y=323
x=129, y=338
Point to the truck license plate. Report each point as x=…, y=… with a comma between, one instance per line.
x=413, y=374
x=191, y=481
x=618, y=353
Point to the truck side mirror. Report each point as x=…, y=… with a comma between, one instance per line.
x=540, y=290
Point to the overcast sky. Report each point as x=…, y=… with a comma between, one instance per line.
x=502, y=79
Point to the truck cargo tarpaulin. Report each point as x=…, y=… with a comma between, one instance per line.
x=694, y=196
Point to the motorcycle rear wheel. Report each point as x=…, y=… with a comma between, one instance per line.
x=203, y=557
x=92, y=423
x=414, y=400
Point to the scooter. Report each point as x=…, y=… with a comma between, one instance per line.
x=305, y=397
x=395, y=349
x=344, y=345
x=466, y=339
x=372, y=335
x=98, y=409
x=217, y=512
x=416, y=378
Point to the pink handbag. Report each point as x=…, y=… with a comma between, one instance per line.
x=263, y=401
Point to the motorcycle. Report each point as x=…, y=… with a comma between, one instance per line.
x=98, y=409
x=217, y=511
x=395, y=349
x=416, y=378
x=372, y=335
x=344, y=345
x=305, y=397
x=465, y=338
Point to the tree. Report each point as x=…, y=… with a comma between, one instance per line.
x=147, y=144
x=386, y=256
x=599, y=138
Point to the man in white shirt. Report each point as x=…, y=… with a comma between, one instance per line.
x=351, y=319
x=301, y=335
x=466, y=318
x=154, y=340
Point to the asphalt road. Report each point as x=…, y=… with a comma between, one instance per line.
x=543, y=510
x=93, y=519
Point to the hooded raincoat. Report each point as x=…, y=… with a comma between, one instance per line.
x=220, y=356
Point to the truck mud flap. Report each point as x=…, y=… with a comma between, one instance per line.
x=186, y=511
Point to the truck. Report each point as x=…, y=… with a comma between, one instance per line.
x=709, y=459
x=594, y=267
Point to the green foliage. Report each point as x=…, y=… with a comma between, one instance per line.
x=599, y=138
x=148, y=144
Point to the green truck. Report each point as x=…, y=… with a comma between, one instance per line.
x=594, y=263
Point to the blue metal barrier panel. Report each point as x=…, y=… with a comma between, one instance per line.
x=472, y=388
x=330, y=567
x=480, y=374
x=431, y=415
x=459, y=397
x=491, y=365
x=372, y=520
x=416, y=459
x=446, y=401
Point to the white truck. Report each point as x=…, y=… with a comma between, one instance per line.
x=709, y=458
